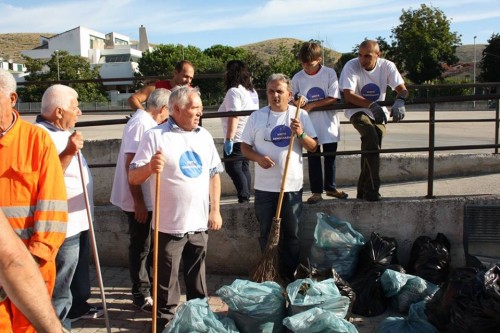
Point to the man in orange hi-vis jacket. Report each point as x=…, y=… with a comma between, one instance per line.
x=33, y=195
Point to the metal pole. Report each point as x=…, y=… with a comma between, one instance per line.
x=432, y=145
x=474, y=73
x=94, y=244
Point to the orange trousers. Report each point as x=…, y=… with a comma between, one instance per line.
x=11, y=318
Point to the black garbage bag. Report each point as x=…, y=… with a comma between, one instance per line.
x=476, y=307
x=430, y=259
x=370, y=300
x=377, y=251
x=438, y=308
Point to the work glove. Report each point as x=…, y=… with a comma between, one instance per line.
x=228, y=147
x=378, y=113
x=398, y=110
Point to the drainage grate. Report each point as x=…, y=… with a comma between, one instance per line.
x=482, y=231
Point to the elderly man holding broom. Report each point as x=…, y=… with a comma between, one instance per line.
x=183, y=155
x=269, y=140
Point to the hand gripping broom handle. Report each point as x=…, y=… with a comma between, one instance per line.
x=94, y=244
x=155, y=251
x=285, y=171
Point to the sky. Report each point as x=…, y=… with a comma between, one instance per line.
x=340, y=25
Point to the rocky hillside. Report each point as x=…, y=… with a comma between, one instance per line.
x=268, y=48
x=11, y=44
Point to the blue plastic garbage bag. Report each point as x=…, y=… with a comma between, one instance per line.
x=307, y=293
x=417, y=311
x=195, y=316
x=405, y=325
x=255, y=307
x=317, y=320
x=336, y=245
x=228, y=323
x=406, y=289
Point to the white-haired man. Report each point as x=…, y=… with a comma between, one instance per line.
x=135, y=200
x=59, y=114
x=183, y=154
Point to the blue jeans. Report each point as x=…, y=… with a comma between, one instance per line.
x=139, y=256
x=80, y=286
x=66, y=262
x=291, y=210
x=316, y=172
x=239, y=171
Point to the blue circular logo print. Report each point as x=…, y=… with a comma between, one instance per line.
x=315, y=94
x=371, y=92
x=190, y=164
x=280, y=135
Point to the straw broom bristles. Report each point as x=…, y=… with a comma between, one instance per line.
x=268, y=267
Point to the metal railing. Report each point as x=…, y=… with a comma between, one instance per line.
x=431, y=149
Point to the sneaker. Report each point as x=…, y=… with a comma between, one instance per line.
x=146, y=306
x=315, y=198
x=337, y=194
x=93, y=313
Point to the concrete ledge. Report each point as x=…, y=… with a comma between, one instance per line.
x=235, y=250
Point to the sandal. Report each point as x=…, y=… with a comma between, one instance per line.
x=315, y=198
x=337, y=194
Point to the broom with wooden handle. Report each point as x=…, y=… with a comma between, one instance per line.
x=268, y=267
x=155, y=250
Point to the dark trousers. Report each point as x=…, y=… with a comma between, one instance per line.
x=140, y=256
x=291, y=210
x=80, y=285
x=371, y=139
x=192, y=250
x=318, y=184
x=239, y=171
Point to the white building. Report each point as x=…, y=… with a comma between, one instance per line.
x=15, y=68
x=114, y=53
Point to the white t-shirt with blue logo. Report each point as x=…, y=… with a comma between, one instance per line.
x=269, y=133
x=184, y=183
x=372, y=84
x=316, y=87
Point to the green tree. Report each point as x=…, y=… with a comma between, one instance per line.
x=344, y=58
x=490, y=62
x=422, y=42
x=285, y=61
x=67, y=67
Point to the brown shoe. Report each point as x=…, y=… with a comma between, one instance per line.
x=337, y=194
x=315, y=198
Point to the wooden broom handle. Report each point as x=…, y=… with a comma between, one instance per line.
x=285, y=171
x=155, y=251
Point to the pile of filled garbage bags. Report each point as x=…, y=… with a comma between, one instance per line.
x=346, y=275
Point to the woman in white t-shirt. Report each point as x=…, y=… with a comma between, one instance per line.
x=240, y=96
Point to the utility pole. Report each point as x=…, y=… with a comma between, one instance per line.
x=57, y=59
x=474, y=72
